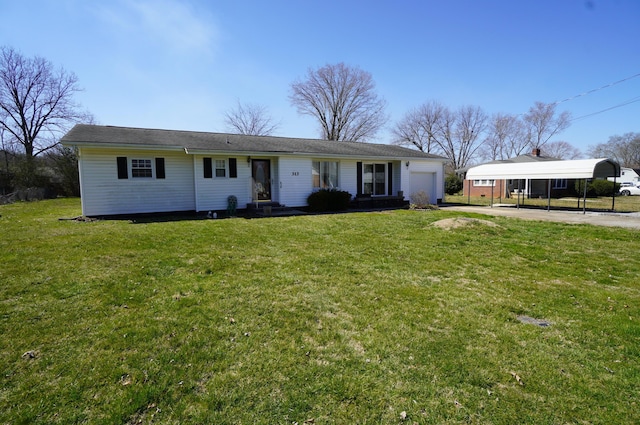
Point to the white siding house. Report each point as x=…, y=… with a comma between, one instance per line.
x=133, y=170
x=628, y=175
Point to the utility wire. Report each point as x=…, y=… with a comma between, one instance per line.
x=598, y=89
x=628, y=102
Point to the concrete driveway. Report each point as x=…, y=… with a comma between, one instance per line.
x=611, y=219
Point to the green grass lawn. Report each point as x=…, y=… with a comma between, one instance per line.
x=347, y=318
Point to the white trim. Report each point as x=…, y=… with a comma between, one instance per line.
x=195, y=184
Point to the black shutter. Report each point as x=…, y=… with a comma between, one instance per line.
x=160, y=168
x=233, y=168
x=390, y=177
x=359, y=178
x=122, y=167
x=208, y=170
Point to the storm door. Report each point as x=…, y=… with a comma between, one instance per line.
x=261, y=176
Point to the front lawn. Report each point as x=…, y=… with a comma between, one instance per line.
x=377, y=317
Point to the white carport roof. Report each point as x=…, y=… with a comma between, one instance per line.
x=574, y=169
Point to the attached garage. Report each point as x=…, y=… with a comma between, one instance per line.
x=423, y=182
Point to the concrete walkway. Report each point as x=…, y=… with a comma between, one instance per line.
x=611, y=219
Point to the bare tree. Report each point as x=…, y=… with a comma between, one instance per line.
x=542, y=123
x=505, y=138
x=36, y=101
x=561, y=150
x=343, y=100
x=459, y=132
x=250, y=119
x=6, y=151
x=625, y=149
x=419, y=127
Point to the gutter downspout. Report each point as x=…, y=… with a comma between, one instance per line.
x=195, y=181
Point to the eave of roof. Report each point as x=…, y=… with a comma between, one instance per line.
x=223, y=143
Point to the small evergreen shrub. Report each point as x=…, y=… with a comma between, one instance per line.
x=597, y=187
x=329, y=200
x=452, y=184
x=603, y=187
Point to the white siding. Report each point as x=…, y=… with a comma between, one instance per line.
x=186, y=189
x=212, y=193
x=294, y=183
x=348, y=176
x=104, y=194
x=424, y=175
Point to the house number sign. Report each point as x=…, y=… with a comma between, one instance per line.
x=295, y=173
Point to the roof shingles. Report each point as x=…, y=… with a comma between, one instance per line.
x=95, y=135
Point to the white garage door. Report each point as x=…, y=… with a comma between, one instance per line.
x=424, y=182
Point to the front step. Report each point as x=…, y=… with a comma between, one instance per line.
x=271, y=209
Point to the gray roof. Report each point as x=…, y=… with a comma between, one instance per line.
x=200, y=142
x=527, y=157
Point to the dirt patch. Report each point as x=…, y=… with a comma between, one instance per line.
x=455, y=223
x=532, y=321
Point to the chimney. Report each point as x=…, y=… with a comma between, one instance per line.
x=535, y=152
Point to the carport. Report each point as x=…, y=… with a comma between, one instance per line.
x=548, y=170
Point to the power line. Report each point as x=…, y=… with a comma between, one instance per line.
x=595, y=90
x=628, y=102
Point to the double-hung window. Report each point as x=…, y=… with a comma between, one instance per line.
x=221, y=168
x=141, y=168
x=324, y=174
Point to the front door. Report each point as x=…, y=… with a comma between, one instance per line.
x=261, y=174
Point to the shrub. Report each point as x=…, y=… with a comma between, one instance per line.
x=419, y=200
x=329, y=200
x=452, y=184
x=598, y=187
x=603, y=187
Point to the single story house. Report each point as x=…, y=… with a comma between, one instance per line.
x=505, y=188
x=136, y=170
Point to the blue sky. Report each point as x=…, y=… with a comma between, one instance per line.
x=182, y=64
